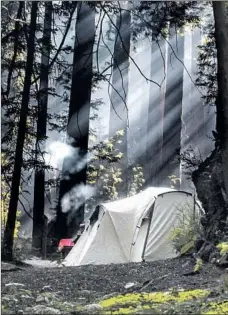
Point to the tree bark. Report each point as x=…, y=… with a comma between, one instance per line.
x=42, y=98
x=118, y=110
x=196, y=102
x=173, y=110
x=7, y=251
x=221, y=39
x=211, y=178
x=208, y=181
x=78, y=124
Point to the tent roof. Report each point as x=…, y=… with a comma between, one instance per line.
x=143, y=198
x=126, y=214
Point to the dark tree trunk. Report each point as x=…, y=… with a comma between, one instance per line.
x=173, y=110
x=192, y=109
x=78, y=125
x=221, y=38
x=141, y=133
x=155, y=115
x=197, y=106
x=7, y=253
x=118, y=110
x=208, y=180
x=15, y=48
x=42, y=97
x=211, y=178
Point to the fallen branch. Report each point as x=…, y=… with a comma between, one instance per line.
x=147, y=283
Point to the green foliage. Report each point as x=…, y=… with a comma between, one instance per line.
x=105, y=173
x=217, y=308
x=103, y=169
x=198, y=264
x=223, y=252
x=207, y=65
x=223, y=248
x=174, y=180
x=137, y=180
x=185, y=233
x=5, y=195
x=151, y=18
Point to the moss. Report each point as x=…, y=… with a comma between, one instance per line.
x=129, y=309
x=133, y=302
x=217, y=308
x=123, y=310
x=156, y=297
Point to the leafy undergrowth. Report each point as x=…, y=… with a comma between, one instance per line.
x=196, y=301
x=23, y=301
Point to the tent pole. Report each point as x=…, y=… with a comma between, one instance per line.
x=148, y=230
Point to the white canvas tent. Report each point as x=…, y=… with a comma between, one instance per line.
x=133, y=229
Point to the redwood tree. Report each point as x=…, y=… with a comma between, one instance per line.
x=7, y=250
x=17, y=29
x=173, y=108
x=155, y=114
x=118, y=110
x=221, y=39
x=211, y=177
x=78, y=123
x=42, y=98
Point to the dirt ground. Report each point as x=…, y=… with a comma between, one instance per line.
x=86, y=284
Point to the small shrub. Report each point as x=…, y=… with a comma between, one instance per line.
x=223, y=248
x=137, y=179
x=198, y=265
x=186, y=232
x=174, y=181
x=104, y=170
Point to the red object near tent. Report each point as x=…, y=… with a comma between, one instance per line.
x=65, y=242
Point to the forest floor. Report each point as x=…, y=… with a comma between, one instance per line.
x=161, y=287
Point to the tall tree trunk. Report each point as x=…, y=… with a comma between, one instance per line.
x=155, y=114
x=118, y=110
x=72, y=186
x=7, y=252
x=141, y=106
x=42, y=97
x=192, y=108
x=221, y=38
x=211, y=178
x=187, y=112
x=197, y=105
x=15, y=47
x=173, y=110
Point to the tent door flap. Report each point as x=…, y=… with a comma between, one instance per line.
x=148, y=230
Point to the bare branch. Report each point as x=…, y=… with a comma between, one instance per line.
x=62, y=42
x=140, y=71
